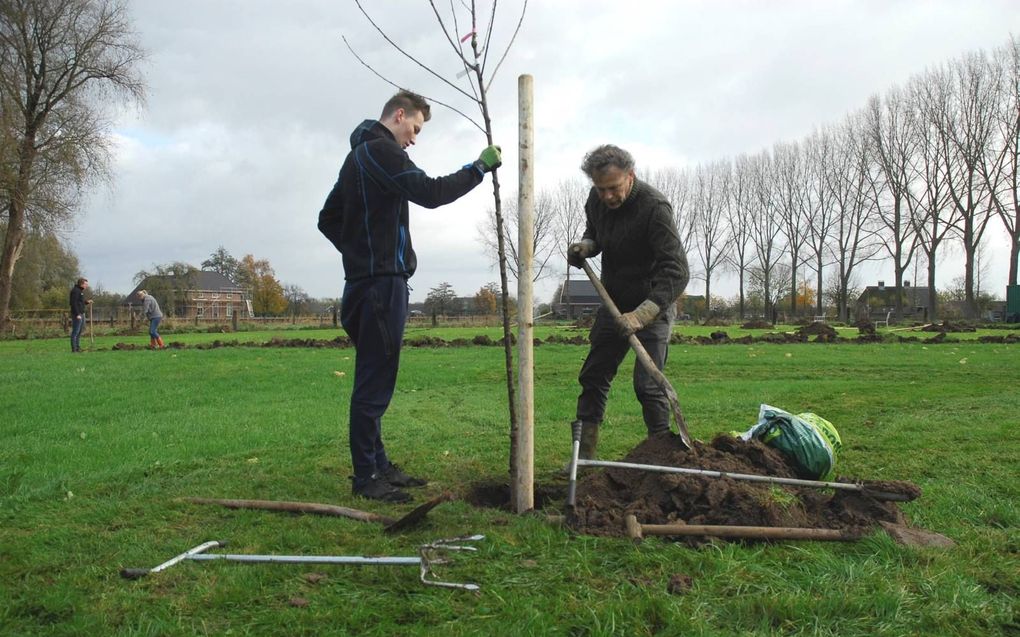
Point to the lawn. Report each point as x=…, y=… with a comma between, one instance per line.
x=97, y=450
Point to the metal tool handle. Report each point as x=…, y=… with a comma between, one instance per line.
x=135, y=573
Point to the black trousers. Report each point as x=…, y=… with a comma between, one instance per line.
x=607, y=351
x=373, y=313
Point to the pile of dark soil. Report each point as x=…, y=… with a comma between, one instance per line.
x=757, y=324
x=823, y=331
x=605, y=497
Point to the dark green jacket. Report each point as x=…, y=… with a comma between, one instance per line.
x=642, y=257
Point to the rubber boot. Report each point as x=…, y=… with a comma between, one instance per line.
x=589, y=440
x=159, y=341
x=152, y=343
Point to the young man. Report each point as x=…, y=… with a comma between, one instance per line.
x=78, y=304
x=366, y=218
x=644, y=269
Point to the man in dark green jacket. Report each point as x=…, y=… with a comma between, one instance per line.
x=366, y=218
x=644, y=269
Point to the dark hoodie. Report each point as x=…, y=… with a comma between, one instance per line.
x=365, y=215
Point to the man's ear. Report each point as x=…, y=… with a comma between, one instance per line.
x=398, y=115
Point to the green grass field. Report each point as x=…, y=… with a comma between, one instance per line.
x=97, y=449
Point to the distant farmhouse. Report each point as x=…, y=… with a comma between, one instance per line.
x=577, y=298
x=877, y=301
x=203, y=295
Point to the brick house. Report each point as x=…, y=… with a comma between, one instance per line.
x=204, y=296
x=876, y=301
x=577, y=298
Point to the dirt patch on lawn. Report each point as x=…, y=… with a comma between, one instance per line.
x=606, y=496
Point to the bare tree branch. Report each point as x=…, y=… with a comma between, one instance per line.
x=397, y=86
x=408, y=55
x=510, y=44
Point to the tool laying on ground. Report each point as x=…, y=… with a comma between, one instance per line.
x=429, y=555
x=637, y=531
x=749, y=477
x=390, y=525
x=644, y=359
x=901, y=534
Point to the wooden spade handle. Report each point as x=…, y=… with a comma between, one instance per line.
x=637, y=531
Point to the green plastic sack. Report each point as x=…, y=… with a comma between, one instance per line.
x=809, y=440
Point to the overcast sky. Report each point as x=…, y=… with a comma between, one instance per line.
x=251, y=104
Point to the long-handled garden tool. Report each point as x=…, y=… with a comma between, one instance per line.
x=390, y=525
x=637, y=531
x=644, y=359
x=429, y=555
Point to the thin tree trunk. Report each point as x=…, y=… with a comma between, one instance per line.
x=504, y=285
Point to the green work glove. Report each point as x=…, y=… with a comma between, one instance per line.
x=630, y=322
x=490, y=159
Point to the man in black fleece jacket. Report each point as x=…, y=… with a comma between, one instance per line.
x=644, y=269
x=366, y=218
x=78, y=303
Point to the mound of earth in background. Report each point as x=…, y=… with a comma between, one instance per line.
x=757, y=324
x=823, y=331
x=605, y=496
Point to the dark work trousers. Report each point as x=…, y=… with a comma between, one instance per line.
x=77, y=324
x=373, y=313
x=607, y=351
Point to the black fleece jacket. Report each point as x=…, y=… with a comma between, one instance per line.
x=366, y=214
x=642, y=257
x=77, y=301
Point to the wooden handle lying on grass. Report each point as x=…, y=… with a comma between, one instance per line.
x=637, y=531
x=298, y=507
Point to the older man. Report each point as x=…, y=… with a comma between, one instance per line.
x=644, y=269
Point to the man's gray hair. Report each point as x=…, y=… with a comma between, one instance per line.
x=606, y=156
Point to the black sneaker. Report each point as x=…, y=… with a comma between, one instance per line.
x=398, y=478
x=377, y=488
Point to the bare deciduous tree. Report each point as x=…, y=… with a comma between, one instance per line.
x=1005, y=168
x=739, y=205
x=545, y=246
x=966, y=126
x=893, y=146
x=934, y=216
x=854, y=239
x=790, y=191
x=568, y=208
x=710, y=237
x=60, y=62
x=765, y=225
x=819, y=206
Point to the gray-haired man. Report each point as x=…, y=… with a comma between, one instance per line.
x=644, y=269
